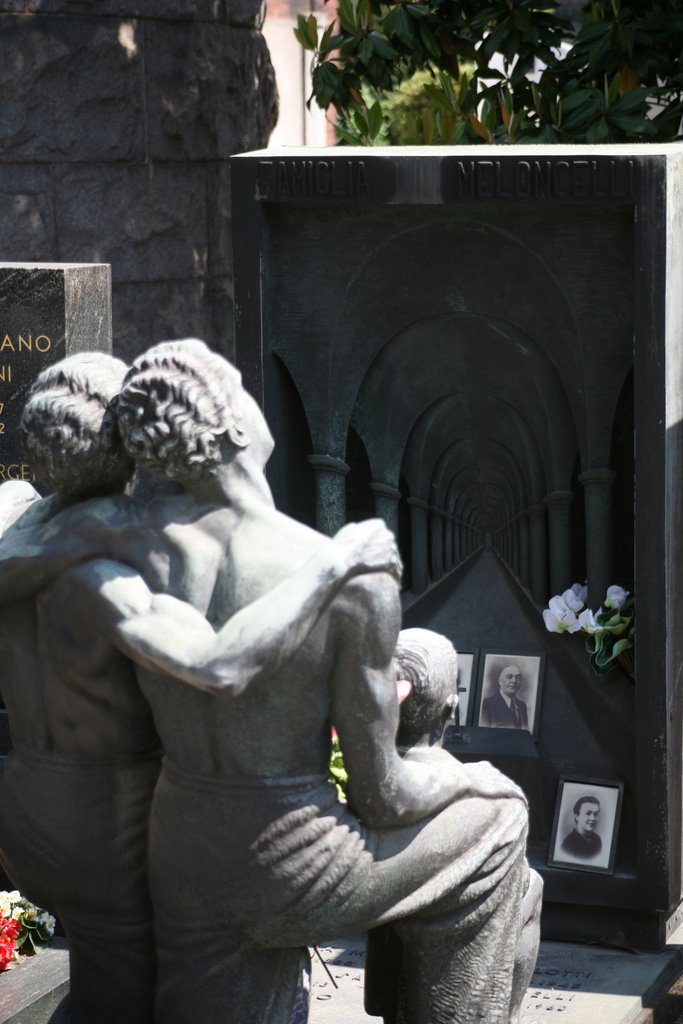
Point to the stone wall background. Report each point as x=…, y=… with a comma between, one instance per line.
x=116, y=124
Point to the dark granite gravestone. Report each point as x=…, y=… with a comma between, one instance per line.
x=47, y=311
x=484, y=346
x=36, y=990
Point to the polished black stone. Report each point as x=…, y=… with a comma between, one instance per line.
x=47, y=312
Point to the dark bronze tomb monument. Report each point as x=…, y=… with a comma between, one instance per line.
x=483, y=346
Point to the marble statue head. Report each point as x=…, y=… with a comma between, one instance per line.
x=180, y=406
x=69, y=426
x=429, y=661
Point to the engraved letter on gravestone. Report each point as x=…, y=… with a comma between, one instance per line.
x=47, y=311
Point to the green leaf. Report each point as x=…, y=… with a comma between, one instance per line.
x=428, y=41
x=307, y=37
x=326, y=79
x=613, y=620
x=312, y=30
x=489, y=115
x=360, y=121
x=374, y=119
x=621, y=645
x=582, y=98
x=613, y=89
x=631, y=101
x=329, y=41
x=337, y=771
x=382, y=46
x=347, y=18
x=438, y=98
x=632, y=124
x=603, y=657
x=347, y=135
x=404, y=27
x=590, y=33
x=366, y=51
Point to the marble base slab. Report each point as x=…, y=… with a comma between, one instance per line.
x=572, y=984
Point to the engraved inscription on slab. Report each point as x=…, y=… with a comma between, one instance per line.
x=47, y=311
x=313, y=179
x=22, y=356
x=541, y=179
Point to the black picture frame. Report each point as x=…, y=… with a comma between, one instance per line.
x=531, y=665
x=570, y=850
x=468, y=666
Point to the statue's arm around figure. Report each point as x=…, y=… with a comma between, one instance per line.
x=48, y=540
x=166, y=635
x=385, y=789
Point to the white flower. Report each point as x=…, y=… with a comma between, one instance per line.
x=48, y=922
x=615, y=597
x=576, y=596
x=559, y=617
x=552, y=623
x=588, y=623
x=14, y=896
x=16, y=913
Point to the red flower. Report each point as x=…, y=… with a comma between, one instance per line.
x=6, y=951
x=9, y=932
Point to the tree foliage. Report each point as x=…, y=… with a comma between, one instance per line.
x=502, y=71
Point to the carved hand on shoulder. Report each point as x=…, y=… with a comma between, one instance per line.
x=488, y=781
x=369, y=547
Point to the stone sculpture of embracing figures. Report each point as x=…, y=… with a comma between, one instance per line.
x=177, y=651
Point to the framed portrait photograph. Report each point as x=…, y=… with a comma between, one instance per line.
x=584, y=836
x=510, y=691
x=466, y=682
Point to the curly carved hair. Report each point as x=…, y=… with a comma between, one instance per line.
x=69, y=426
x=177, y=402
x=429, y=661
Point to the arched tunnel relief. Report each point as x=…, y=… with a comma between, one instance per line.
x=465, y=356
x=482, y=347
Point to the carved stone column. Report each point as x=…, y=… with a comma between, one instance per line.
x=448, y=545
x=330, y=492
x=523, y=532
x=514, y=533
x=471, y=541
x=502, y=544
x=597, y=484
x=559, y=539
x=436, y=537
x=386, y=504
x=513, y=550
x=460, y=542
x=538, y=553
x=457, y=542
x=419, y=526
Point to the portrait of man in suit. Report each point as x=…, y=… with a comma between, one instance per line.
x=509, y=693
x=505, y=710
